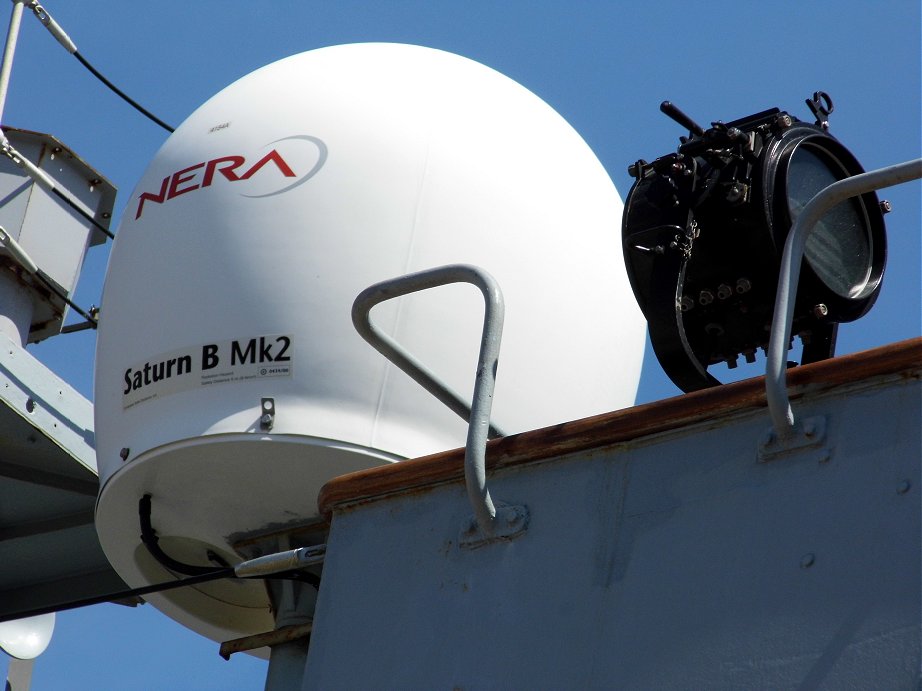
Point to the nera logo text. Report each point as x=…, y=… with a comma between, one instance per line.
x=302, y=153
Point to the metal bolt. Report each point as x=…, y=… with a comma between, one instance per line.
x=820, y=311
x=267, y=418
x=903, y=487
x=784, y=120
x=885, y=206
x=724, y=291
x=809, y=428
x=743, y=285
x=686, y=303
x=808, y=560
x=714, y=329
x=705, y=297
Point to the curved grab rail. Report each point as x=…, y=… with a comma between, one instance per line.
x=779, y=405
x=477, y=414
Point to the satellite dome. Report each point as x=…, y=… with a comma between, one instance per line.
x=237, y=261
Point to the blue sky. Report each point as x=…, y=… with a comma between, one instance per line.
x=605, y=66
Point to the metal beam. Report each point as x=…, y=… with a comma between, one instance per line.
x=46, y=478
x=46, y=525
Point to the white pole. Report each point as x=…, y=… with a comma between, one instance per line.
x=6, y=67
x=19, y=674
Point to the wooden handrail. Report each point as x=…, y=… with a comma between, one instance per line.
x=620, y=426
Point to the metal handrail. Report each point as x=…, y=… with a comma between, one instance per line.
x=477, y=414
x=779, y=405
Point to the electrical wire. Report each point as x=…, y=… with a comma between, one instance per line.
x=61, y=37
x=134, y=104
x=151, y=541
x=133, y=593
x=52, y=286
x=21, y=258
x=204, y=575
x=42, y=178
x=73, y=205
x=214, y=575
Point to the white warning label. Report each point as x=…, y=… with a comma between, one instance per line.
x=241, y=359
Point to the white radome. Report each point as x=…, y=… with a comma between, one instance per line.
x=239, y=256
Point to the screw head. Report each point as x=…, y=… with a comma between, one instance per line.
x=734, y=193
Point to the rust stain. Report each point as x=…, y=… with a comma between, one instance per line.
x=284, y=634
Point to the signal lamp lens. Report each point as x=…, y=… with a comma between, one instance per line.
x=839, y=249
x=704, y=230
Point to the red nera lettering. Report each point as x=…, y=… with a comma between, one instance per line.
x=202, y=175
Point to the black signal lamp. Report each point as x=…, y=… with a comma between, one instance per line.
x=704, y=231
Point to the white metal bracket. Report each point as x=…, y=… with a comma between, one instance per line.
x=508, y=524
x=806, y=436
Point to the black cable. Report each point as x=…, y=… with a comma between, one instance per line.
x=215, y=575
x=311, y=579
x=120, y=93
x=205, y=576
x=74, y=328
x=43, y=180
x=44, y=278
x=126, y=594
x=72, y=204
x=151, y=541
x=61, y=37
